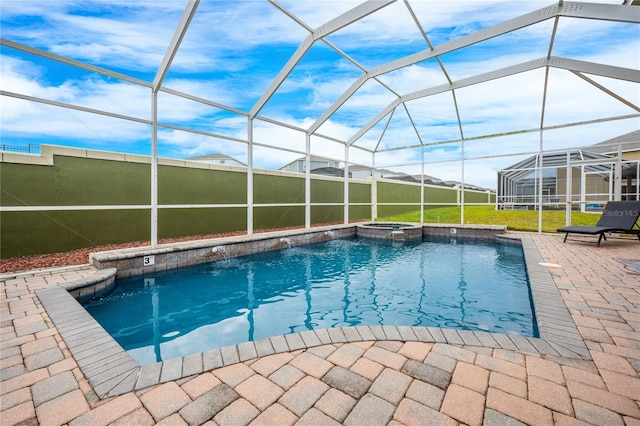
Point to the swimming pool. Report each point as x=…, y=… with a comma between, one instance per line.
x=465, y=284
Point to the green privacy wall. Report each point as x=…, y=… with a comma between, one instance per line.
x=75, y=181
x=182, y=185
x=323, y=191
x=387, y=211
x=174, y=223
x=359, y=192
x=81, y=181
x=28, y=233
x=278, y=217
x=435, y=194
x=397, y=192
x=268, y=189
x=327, y=214
x=359, y=213
x=475, y=197
x=72, y=181
x=389, y=192
x=275, y=189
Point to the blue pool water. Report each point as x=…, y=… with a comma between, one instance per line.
x=451, y=284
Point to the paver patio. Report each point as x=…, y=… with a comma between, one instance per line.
x=373, y=381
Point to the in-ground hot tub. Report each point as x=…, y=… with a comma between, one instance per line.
x=390, y=231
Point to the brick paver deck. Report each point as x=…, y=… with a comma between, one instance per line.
x=380, y=377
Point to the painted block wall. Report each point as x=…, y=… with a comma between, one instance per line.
x=277, y=217
x=175, y=223
x=183, y=185
x=438, y=194
x=39, y=232
x=80, y=181
x=269, y=189
x=398, y=192
x=360, y=193
x=472, y=197
x=71, y=181
x=77, y=179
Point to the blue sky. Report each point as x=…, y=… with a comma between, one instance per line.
x=234, y=50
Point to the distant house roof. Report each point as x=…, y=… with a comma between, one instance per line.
x=355, y=167
x=215, y=157
x=426, y=177
x=329, y=171
x=630, y=142
x=319, y=158
x=466, y=185
x=314, y=158
x=389, y=174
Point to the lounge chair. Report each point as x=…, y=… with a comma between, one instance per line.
x=618, y=216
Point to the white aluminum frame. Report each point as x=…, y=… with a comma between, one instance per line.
x=616, y=13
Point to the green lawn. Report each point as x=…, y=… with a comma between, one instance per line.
x=516, y=220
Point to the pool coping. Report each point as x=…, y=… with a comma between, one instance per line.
x=112, y=371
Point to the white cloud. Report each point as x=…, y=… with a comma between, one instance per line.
x=90, y=91
x=39, y=121
x=47, y=124
x=132, y=36
x=233, y=50
x=315, y=12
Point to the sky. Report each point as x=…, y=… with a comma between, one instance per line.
x=234, y=50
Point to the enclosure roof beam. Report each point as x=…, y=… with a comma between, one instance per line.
x=202, y=100
x=516, y=132
x=333, y=25
x=602, y=70
x=471, y=39
x=181, y=30
x=526, y=66
x=607, y=91
x=434, y=52
x=553, y=62
x=566, y=9
x=72, y=62
x=327, y=42
x=73, y=107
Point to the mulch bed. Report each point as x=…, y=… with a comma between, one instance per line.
x=81, y=257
